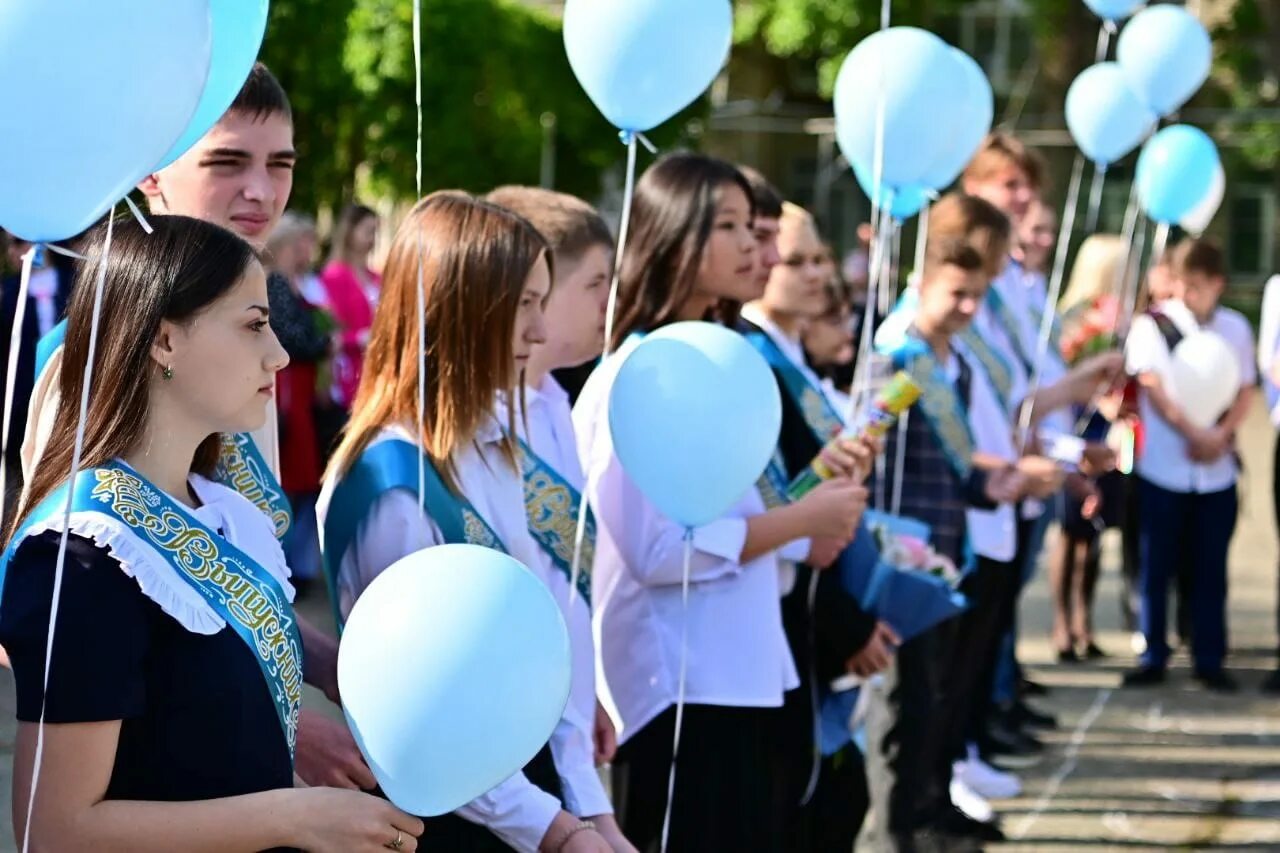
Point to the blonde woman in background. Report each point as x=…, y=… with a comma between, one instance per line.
x=1091, y=309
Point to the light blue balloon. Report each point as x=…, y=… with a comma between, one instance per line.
x=1114, y=10
x=902, y=203
x=454, y=669
x=906, y=80
x=694, y=414
x=642, y=61
x=1166, y=54
x=1106, y=118
x=1175, y=172
x=94, y=94
x=238, y=27
x=971, y=125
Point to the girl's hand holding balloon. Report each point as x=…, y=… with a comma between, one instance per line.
x=330, y=820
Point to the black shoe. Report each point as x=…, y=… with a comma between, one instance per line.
x=1023, y=714
x=1144, y=676
x=1218, y=681
x=1032, y=688
x=1068, y=656
x=1092, y=652
x=1007, y=747
x=958, y=824
x=1272, y=684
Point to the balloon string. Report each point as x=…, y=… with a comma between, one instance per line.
x=11, y=373
x=1126, y=298
x=1051, y=297
x=1095, y=197
x=811, y=636
x=76, y=454
x=422, y=379
x=137, y=214
x=684, y=663
x=1104, y=41
x=417, y=98
x=922, y=240
x=628, y=194
x=899, y=463
x=862, y=377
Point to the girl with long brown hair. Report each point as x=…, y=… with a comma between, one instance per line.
x=166, y=716
x=692, y=247
x=481, y=275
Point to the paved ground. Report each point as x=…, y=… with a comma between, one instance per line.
x=1168, y=769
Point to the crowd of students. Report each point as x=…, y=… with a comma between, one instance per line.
x=153, y=727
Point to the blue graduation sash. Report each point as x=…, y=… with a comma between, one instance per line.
x=1009, y=325
x=941, y=406
x=241, y=466
x=387, y=465
x=552, y=505
x=821, y=418
x=993, y=364
x=245, y=595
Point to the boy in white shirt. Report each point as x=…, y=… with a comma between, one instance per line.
x=1187, y=473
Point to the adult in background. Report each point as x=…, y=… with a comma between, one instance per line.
x=306, y=331
x=352, y=289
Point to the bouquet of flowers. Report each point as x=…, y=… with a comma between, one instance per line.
x=905, y=546
x=1090, y=329
x=894, y=574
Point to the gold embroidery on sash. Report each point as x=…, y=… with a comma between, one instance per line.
x=195, y=551
x=243, y=473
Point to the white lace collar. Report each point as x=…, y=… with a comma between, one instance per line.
x=224, y=510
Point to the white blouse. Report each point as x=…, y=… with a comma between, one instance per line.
x=547, y=427
x=737, y=653
x=992, y=533
x=517, y=811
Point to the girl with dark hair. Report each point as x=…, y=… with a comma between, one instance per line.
x=692, y=248
x=155, y=730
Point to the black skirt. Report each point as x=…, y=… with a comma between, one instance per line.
x=725, y=797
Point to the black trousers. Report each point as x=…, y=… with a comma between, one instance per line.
x=907, y=787
x=453, y=834
x=725, y=793
x=833, y=816
x=970, y=659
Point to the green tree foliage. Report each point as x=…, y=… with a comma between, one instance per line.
x=491, y=70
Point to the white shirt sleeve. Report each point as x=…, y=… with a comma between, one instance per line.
x=517, y=811
x=1269, y=329
x=573, y=749
x=650, y=544
x=1145, y=350
x=1242, y=341
x=797, y=550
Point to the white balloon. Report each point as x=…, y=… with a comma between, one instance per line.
x=1205, y=374
x=1197, y=221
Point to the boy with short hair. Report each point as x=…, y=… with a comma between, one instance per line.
x=1187, y=473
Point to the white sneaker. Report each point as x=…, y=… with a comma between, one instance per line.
x=985, y=780
x=970, y=802
x=1138, y=643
